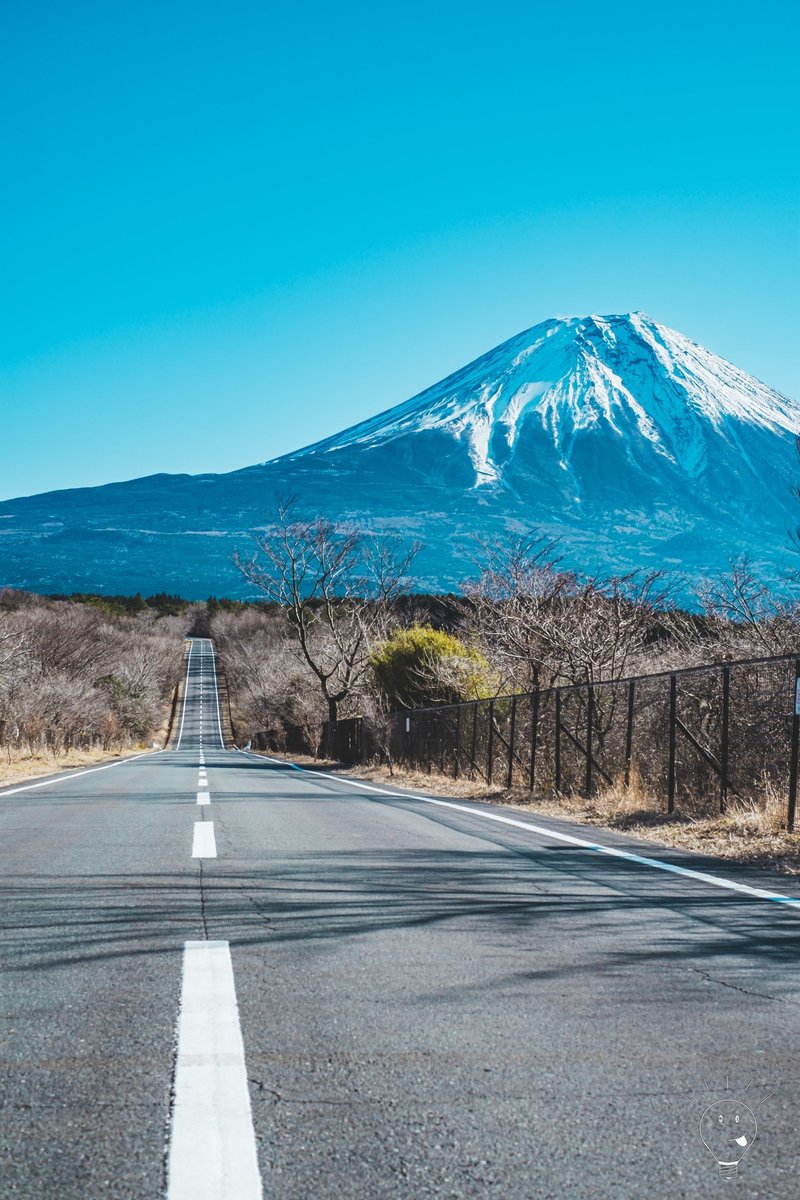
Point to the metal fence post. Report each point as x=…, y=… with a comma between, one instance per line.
x=673, y=712
x=442, y=743
x=557, y=745
x=795, y=743
x=589, y=737
x=510, y=778
x=629, y=732
x=724, y=734
x=458, y=743
x=490, y=747
x=534, y=738
x=474, y=749
x=428, y=742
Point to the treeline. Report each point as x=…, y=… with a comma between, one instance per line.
x=162, y=604
x=87, y=671
x=340, y=634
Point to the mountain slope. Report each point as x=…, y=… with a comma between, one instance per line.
x=632, y=443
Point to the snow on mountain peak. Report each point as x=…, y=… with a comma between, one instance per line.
x=625, y=376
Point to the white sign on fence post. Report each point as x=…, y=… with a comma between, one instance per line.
x=797, y=698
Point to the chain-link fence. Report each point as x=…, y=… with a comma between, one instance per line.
x=692, y=740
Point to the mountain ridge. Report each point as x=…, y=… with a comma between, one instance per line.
x=632, y=443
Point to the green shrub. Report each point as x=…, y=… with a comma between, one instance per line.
x=421, y=666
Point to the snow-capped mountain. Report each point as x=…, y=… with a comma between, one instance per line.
x=632, y=444
x=638, y=379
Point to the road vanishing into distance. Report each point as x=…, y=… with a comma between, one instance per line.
x=224, y=977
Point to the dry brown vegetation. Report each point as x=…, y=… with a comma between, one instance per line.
x=23, y=765
x=80, y=680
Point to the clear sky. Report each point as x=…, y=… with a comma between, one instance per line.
x=229, y=229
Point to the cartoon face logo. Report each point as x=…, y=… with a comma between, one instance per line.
x=728, y=1129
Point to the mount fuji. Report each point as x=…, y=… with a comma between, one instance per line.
x=631, y=444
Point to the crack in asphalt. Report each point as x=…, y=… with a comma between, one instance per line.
x=202, y=886
x=279, y=1097
x=735, y=987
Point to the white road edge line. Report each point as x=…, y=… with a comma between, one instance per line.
x=212, y=1146
x=65, y=776
x=203, y=798
x=596, y=847
x=185, y=693
x=203, y=842
x=216, y=694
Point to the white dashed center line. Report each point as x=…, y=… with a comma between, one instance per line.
x=212, y=1152
x=203, y=843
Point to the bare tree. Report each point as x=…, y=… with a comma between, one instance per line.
x=519, y=583
x=544, y=626
x=272, y=688
x=748, y=616
x=12, y=644
x=335, y=588
x=602, y=630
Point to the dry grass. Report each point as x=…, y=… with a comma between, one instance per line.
x=421, y=781
x=751, y=831
x=25, y=765
x=440, y=785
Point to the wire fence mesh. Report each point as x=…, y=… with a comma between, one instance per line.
x=692, y=740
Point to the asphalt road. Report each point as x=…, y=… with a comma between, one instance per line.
x=431, y=1002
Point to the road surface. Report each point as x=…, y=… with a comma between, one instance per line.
x=222, y=976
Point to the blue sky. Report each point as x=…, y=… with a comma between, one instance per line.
x=231, y=229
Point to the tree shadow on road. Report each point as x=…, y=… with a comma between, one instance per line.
x=558, y=912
